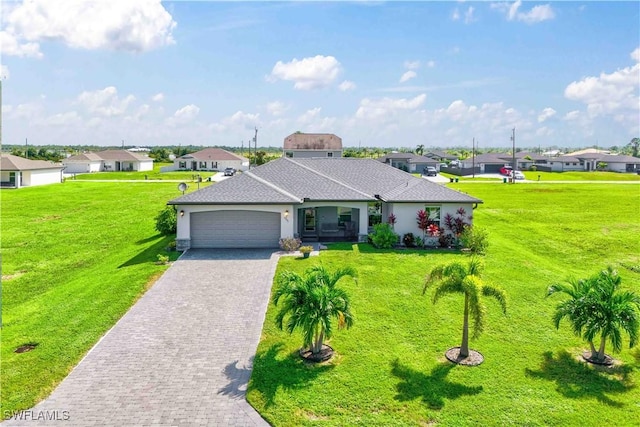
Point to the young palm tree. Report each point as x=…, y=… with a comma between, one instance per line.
x=311, y=302
x=598, y=307
x=465, y=279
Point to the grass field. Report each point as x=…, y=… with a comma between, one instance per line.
x=146, y=175
x=75, y=256
x=390, y=369
x=560, y=176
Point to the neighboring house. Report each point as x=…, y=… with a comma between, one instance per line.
x=488, y=162
x=614, y=163
x=209, y=159
x=440, y=156
x=19, y=172
x=565, y=163
x=314, y=199
x=408, y=162
x=310, y=145
x=108, y=161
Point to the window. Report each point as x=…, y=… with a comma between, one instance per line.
x=203, y=165
x=344, y=215
x=288, y=154
x=182, y=165
x=433, y=213
x=375, y=213
x=329, y=154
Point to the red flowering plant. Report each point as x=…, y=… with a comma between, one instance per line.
x=392, y=220
x=456, y=224
x=433, y=230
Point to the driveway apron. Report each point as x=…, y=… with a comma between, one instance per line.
x=182, y=355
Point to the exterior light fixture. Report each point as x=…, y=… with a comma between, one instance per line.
x=286, y=214
x=181, y=212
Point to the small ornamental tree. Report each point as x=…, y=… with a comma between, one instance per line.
x=456, y=224
x=423, y=221
x=166, y=221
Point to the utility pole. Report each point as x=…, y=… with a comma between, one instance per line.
x=26, y=148
x=255, y=144
x=473, y=156
x=513, y=140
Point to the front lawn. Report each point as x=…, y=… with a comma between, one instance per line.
x=75, y=256
x=390, y=368
x=155, y=174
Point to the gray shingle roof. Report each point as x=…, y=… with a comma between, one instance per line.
x=215, y=154
x=122, y=155
x=348, y=179
x=92, y=157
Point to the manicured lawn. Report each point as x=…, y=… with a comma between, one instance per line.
x=151, y=175
x=75, y=256
x=581, y=176
x=390, y=368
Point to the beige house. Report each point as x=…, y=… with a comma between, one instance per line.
x=309, y=145
x=108, y=161
x=19, y=172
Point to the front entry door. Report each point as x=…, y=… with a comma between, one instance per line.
x=309, y=221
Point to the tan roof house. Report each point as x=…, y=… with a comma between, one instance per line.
x=16, y=172
x=309, y=145
x=108, y=161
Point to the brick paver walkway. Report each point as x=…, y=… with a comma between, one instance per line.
x=182, y=354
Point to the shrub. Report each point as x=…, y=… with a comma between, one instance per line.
x=166, y=221
x=409, y=240
x=306, y=249
x=445, y=240
x=420, y=242
x=290, y=244
x=383, y=236
x=171, y=246
x=533, y=168
x=475, y=239
x=162, y=259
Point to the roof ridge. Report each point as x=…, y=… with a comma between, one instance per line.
x=328, y=177
x=273, y=186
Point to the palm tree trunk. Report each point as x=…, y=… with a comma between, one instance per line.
x=601, y=350
x=594, y=353
x=317, y=345
x=464, y=348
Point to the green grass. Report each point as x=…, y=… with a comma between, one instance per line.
x=390, y=370
x=75, y=256
x=151, y=175
x=581, y=176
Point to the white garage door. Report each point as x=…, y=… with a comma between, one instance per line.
x=235, y=229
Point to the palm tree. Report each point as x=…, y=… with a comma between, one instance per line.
x=420, y=149
x=598, y=307
x=465, y=279
x=311, y=302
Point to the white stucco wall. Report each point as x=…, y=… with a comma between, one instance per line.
x=82, y=167
x=407, y=214
x=210, y=165
x=41, y=177
x=557, y=166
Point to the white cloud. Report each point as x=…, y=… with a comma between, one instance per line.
x=536, y=14
x=468, y=15
x=385, y=107
x=572, y=115
x=105, y=102
x=309, y=115
x=12, y=47
x=608, y=93
x=186, y=113
x=547, y=113
x=308, y=73
x=346, y=86
x=455, y=16
x=411, y=65
x=4, y=72
x=408, y=76
x=431, y=64
x=276, y=108
x=635, y=55
x=71, y=118
x=238, y=121
x=132, y=26
x=158, y=97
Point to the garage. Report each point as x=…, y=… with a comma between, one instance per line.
x=235, y=229
x=492, y=168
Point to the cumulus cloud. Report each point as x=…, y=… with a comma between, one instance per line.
x=186, y=113
x=373, y=109
x=635, y=55
x=608, y=93
x=547, y=113
x=158, y=97
x=238, y=121
x=407, y=76
x=12, y=47
x=411, y=65
x=430, y=64
x=131, y=26
x=346, y=86
x=276, y=108
x=572, y=115
x=536, y=14
x=64, y=119
x=105, y=102
x=307, y=73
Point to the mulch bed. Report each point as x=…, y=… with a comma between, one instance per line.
x=474, y=358
x=325, y=354
x=608, y=360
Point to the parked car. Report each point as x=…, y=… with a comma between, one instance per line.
x=517, y=175
x=429, y=171
x=506, y=170
x=454, y=164
x=229, y=172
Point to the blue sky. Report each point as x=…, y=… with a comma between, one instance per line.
x=387, y=74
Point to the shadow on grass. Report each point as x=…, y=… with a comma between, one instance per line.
x=271, y=373
x=148, y=239
x=150, y=254
x=433, y=388
x=579, y=380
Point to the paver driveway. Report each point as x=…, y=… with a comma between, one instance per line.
x=182, y=354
